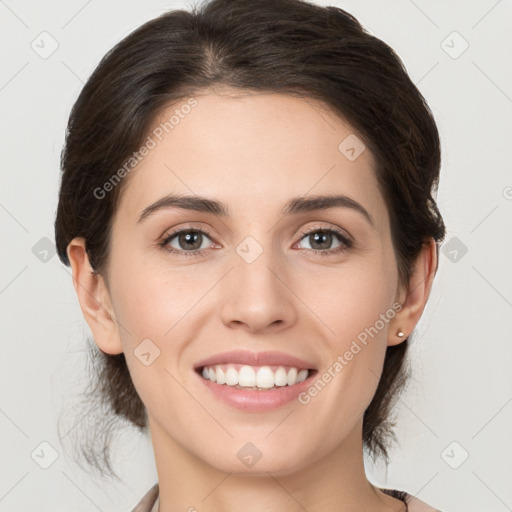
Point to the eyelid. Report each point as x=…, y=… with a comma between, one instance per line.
x=188, y=227
x=327, y=226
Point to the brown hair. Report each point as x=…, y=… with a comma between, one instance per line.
x=285, y=46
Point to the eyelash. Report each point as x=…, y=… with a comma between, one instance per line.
x=346, y=243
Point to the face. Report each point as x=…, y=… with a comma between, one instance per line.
x=269, y=275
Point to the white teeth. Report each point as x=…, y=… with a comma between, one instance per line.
x=221, y=376
x=251, y=377
x=231, y=377
x=246, y=377
x=281, y=377
x=302, y=376
x=265, y=378
x=292, y=376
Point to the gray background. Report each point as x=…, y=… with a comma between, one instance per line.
x=459, y=401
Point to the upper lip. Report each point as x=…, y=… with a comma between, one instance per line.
x=270, y=358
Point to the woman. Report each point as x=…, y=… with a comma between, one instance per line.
x=247, y=208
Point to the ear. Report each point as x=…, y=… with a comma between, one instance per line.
x=94, y=299
x=414, y=299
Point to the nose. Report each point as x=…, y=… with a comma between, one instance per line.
x=257, y=296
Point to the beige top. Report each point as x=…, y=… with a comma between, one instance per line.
x=150, y=501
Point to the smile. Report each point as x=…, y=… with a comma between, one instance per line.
x=254, y=377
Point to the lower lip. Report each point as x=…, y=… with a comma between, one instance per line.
x=254, y=400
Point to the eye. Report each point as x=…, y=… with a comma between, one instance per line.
x=187, y=242
x=194, y=241
x=321, y=240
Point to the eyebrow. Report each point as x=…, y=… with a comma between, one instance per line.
x=294, y=206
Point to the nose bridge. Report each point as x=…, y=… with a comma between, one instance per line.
x=253, y=265
x=257, y=296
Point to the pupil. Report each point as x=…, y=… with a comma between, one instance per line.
x=190, y=237
x=321, y=235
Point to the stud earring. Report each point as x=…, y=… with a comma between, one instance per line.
x=400, y=334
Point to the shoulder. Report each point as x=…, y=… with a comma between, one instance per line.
x=413, y=504
x=149, y=502
x=416, y=505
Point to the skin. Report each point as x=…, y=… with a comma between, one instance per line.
x=253, y=152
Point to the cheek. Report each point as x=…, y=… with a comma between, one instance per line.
x=157, y=308
x=154, y=309
x=352, y=299
x=150, y=302
x=356, y=306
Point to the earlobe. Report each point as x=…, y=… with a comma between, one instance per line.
x=94, y=299
x=420, y=284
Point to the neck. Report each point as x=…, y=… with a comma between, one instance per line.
x=336, y=481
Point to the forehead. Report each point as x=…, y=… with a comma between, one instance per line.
x=248, y=148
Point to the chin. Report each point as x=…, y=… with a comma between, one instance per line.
x=259, y=459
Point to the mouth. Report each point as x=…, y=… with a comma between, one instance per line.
x=255, y=382
x=255, y=378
